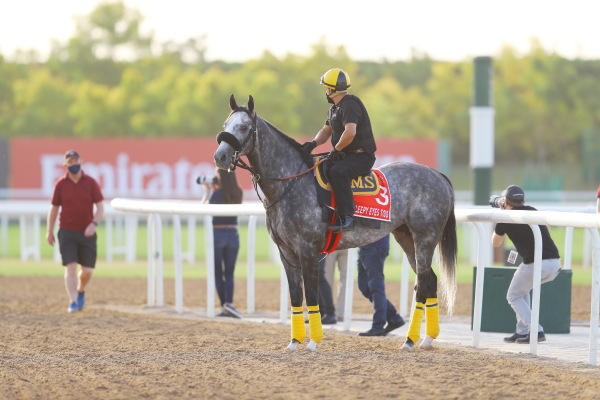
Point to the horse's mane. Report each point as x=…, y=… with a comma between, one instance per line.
x=307, y=158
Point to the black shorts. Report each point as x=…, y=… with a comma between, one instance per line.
x=75, y=247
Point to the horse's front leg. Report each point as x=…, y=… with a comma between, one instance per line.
x=294, y=277
x=426, y=304
x=310, y=271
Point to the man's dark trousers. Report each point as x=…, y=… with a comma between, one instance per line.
x=371, y=280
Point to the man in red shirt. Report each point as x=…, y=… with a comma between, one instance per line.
x=598, y=200
x=76, y=193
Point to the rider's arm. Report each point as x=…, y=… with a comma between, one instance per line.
x=323, y=135
x=347, y=136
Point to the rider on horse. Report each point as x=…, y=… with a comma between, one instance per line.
x=349, y=127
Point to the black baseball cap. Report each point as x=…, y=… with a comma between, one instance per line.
x=514, y=195
x=71, y=154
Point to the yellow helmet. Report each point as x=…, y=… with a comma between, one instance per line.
x=336, y=79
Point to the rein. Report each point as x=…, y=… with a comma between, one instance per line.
x=301, y=173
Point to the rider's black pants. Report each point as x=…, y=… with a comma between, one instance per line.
x=341, y=174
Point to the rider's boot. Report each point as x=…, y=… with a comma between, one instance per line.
x=346, y=224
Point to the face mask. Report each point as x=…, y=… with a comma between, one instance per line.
x=75, y=168
x=329, y=100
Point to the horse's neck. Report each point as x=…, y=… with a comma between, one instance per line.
x=274, y=157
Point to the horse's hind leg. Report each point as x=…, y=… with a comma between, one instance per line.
x=404, y=237
x=426, y=288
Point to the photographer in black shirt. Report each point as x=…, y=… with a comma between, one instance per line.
x=513, y=198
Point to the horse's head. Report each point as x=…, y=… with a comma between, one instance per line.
x=237, y=138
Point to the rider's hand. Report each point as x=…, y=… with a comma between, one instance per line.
x=335, y=155
x=308, y=147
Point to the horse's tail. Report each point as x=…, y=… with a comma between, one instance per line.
x=447, y=259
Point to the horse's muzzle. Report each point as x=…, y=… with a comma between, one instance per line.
x=223, y=157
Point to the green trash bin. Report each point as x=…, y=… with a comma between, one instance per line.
x=498, y=316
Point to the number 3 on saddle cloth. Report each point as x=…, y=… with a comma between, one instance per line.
x=371, y=200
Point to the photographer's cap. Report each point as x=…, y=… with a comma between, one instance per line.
x=514, y=194
x=71, y=154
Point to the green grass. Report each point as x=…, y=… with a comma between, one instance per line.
x=263, y=270
x=10, y=265
x=262, y=242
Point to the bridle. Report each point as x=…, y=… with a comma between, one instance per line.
x=231, y=140
x=238, y=148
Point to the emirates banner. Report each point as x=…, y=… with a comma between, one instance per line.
x=157, y=167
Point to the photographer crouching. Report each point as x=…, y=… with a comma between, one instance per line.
x=518, y=295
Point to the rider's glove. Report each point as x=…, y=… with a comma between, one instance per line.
x=308, y=147
x=336, y=155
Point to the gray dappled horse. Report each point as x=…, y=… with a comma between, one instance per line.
x=422, y=216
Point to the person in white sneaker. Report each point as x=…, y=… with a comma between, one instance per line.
x=513, y=198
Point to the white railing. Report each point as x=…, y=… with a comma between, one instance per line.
x=155, y=259
x=121, y=229
x=477, y=216
x=122, y=225
x=591, y=222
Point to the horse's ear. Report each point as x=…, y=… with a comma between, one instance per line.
x=232, y=103
x=250, y=104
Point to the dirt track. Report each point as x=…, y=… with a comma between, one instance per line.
x=46, y=353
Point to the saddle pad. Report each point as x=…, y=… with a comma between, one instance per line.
x=375, y=206
x=367, y=185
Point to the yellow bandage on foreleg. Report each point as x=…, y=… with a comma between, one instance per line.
x=432, y=318
x=298, y=326
x=414, y=330
x=314, y=323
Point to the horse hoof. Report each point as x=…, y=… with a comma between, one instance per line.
x=293, y=346
x=426, y=343
x=312, y=346
x=408, y=345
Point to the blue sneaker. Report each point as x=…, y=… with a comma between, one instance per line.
x=72, y=307
x=80, y=299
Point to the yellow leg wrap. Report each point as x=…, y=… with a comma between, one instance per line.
x=298, y=326
x=414, y=330
x=314, y=324
x=432, y=318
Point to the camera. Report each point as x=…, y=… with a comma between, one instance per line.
x=497, y=201
x=201, y=180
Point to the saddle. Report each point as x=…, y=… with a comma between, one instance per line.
x=366, y=185
x=371, y=198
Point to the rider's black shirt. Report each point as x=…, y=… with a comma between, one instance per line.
x=522, y=237
x=351, y=110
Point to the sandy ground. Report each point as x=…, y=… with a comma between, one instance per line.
x=46, y=353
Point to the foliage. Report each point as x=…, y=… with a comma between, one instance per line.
x=111, y=80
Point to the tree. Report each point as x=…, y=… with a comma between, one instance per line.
x=41, y=103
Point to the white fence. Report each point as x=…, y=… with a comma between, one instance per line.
x=478, y=217
x=121, y=231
